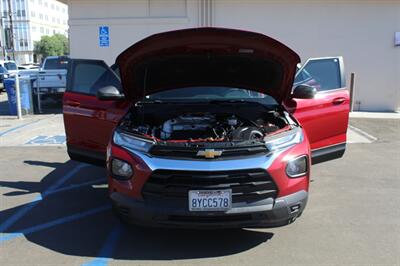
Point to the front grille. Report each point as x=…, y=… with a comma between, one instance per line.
x=191, y=152
x=247, y=185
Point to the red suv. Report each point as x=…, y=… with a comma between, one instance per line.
x=204, y=127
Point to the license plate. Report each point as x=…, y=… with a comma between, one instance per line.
x=210, y=200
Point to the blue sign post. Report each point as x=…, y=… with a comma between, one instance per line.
x=104, y=36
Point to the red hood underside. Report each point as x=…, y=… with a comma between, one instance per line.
x=207, y=56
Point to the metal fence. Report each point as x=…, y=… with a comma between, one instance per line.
x=39, y=86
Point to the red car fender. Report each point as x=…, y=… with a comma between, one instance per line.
x=133, y=186
x=277, y=170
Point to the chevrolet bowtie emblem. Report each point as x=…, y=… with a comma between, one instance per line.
x=209, y=153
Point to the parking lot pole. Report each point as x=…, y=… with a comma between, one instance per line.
x=38, y=93
x=18, y=94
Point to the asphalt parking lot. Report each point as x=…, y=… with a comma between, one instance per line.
x=55, y=211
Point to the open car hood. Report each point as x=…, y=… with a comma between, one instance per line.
x=207, y=57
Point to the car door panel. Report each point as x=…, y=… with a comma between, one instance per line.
x=88, y=121
x=325, y=117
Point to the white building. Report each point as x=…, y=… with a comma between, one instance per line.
x=32, y=19
x=362, y=31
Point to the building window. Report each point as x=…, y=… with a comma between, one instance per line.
x=40, y=2
x=33, y=14
x=46, y=4
x=21, y=13
x=58, y=21
x=52, y=6
x=53, y=19
x=41, y=16
x=41, y=30
x=46, y=17
x=33, y=29
x=23, y=43
x=47, y=31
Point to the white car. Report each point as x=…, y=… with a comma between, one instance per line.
x=10, y=65
x=28, y=66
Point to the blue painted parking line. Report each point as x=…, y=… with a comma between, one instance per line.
x=5, y=236
x=18, y=215
x=8, y=236
x=17, y=127
x=107, y=250
x=64, y=179
x=40, y=140
x=75, y=186
x=26, y=208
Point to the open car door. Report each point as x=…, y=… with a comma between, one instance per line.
x=88, y=121
x=325, y=117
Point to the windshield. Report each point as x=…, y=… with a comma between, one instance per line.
x=208, y=93
x=56, y=63
x=10, y=66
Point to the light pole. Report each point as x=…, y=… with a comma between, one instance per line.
x=3, y=39
x=11, y=30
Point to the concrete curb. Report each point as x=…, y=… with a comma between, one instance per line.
x=378, y=115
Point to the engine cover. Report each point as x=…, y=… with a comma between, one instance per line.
x=178, y=126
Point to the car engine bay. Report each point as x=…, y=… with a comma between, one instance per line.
x=225, y=123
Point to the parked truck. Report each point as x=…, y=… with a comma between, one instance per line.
x=52, y=74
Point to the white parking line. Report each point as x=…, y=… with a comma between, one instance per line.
x=363, y=133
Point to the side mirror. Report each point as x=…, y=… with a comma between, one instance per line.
x=304, y=92
x=109, y=93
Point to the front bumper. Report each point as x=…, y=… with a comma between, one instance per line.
x=270, y=213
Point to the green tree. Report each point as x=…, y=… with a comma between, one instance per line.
x=52, y=45
x=64, y=41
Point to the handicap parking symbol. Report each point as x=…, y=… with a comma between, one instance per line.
x=103, y=30
x=104, y=36
x=42, y=140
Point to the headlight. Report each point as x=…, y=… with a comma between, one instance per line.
x=297, y=167
x=131, y=142
x=121, y=170
x=286, y=141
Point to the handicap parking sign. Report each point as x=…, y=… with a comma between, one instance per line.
x=104, y=36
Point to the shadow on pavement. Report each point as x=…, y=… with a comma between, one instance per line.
x=77, y=221
x=46, y=164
